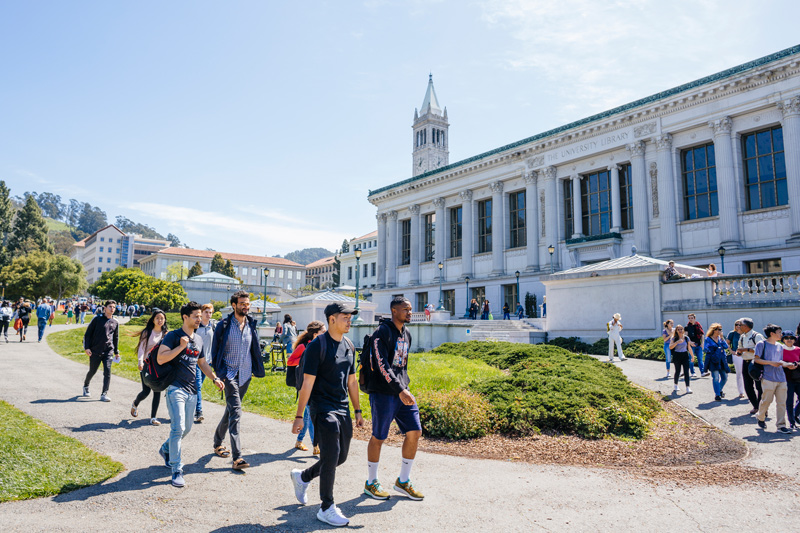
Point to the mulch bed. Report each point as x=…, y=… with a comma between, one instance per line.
x=681, y=448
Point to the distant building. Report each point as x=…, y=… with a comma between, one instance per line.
x=110, y=247
x=368, y=264
x=319, y=274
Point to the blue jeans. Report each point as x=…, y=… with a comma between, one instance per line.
x=506, y=316
x=667, y=354
x=698, y=352
x=198, y=383
x=307, y=426
x=718, y=380
x=180, y=405
x=792, y=392
x=83, y=317
x=41, y=324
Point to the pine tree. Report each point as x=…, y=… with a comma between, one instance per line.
x=228, y=269
x=345, y=246
x=6, y=215
x=29, y=232
x=218, y=264
x=196, y=270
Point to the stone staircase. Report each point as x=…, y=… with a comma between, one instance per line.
x=521, y=331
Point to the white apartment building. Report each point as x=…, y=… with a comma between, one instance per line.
x=319, y=274
x=367, y=264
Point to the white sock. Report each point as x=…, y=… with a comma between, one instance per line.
x=405, y=469
x=372, y=471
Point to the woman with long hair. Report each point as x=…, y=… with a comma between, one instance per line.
x=666, y=333
x=313, y=329
x=681, y=349
x=289, y=336
x=151, y=335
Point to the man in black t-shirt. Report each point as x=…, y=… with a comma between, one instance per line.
x=329, y=376
x=185, y=350
x=101, y=343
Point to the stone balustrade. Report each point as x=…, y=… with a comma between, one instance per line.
x=771, y=287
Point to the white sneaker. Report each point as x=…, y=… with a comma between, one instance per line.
x=301, y=490
x=86, y=393
x=688, y=390
x=623, y=358
x=104, y=398
x=668, y=376
x=676, y=389
x=610, y=361
x=332, y=516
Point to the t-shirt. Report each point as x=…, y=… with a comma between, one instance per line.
x=771, y=352
x=748, y=341
x=681, y=346
x=185, y=362
x=329, y=394
x=791, y=354
x=733, y=339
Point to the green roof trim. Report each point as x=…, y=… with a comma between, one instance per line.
x=794, y=50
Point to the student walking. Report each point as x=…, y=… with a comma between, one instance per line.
x=747, y=345
x=206, y=332
x=149, y=337
x=390, y=399
x=506, y=311
x=791, y=354
x=615, y=338
x=520, y=311
x=5, y=318
x=101, y=343
x=43, y=312
x=23, y=313
x=474, y=307
x=84, y=309
x=184, y=348
x=733, y=342
x=694, y=330
x=666, y=335
x=313, y=330
x=329, y=377
x=769, y=353
x=289, y=335
x=486, y=310
x=681, y=349
x=717, y=359
x=236, y=358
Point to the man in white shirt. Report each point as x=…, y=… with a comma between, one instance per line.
x=747, y=346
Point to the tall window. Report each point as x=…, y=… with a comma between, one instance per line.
x=349, y=272
x=699, y=182
x=422, y=301
x=455, y=231
x=626, y=196
x=516, y=210
x=484, y=226
x=373, y=269
x=366, y=270
x=596, y=203
x=568, y=216
x=405, y=242
x=449, y=301
x=764, y=168
x=430, y=236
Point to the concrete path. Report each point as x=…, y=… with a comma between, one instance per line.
x=462, y=494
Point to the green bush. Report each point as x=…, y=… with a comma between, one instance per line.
x=652, y=349
x=575, y=345
x=548, y=388
x=456, y=414
x=174, y=320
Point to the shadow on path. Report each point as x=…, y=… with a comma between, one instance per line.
x=102, y=426
x=56, y=400
x=135, y=480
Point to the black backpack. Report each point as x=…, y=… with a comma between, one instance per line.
x=365, y=367
x=298, y=380
x=157, y=377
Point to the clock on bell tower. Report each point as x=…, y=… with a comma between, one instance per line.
x=431, y=134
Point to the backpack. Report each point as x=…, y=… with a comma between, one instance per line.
x=299, y=369
x=156, y=376
x=364, y=369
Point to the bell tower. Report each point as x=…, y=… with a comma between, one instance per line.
x=431, y=134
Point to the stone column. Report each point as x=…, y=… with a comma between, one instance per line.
x=577, y=211
x=532, y=222
x=641, y=220
x=415, y=245
x=439, y=239
x=467, y=233
x=616, y=204
x=727, y=188
x=550, y=213
x=381, y=282
x=498, y=242
x=791, y=142
x=666, y=197
x=391, y=250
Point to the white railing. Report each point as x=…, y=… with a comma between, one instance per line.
x=418, y=317
x=775, y=286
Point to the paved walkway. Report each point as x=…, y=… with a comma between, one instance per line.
x=462, y=494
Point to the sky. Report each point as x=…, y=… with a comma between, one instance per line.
x=259, y=127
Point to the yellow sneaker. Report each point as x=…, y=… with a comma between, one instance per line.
x=316, y=450
x=374, y=490
x=408, y=490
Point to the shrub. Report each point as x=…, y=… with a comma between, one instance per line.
x=174, y=320
x=456, y=414
x=575, y=345
x=645, y=349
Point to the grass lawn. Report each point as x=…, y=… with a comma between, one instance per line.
x=38, y=461
x=270, y=396
x=59, y=319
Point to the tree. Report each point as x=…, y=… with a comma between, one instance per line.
x=62, y=242
x=29, y=231
x=337, y=271
x=228, y=270
x=64, y=277
x=345, y=246
x=72, y=213
x=158, y=293
x=129, y=226
x=116, y=284
x=174, y=240
x=308, y=255
x=217, y=264
x=176, y=272
x=6, y=216
x=196, y=270
x=91, y=219
x=50, y=204
x=25, y=275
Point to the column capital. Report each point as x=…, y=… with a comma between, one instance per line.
x=496, y=186
x=722, y=126
x=414, y=209
x=530, y=177
x=381, y=217
x=636, y=149
x=790, y=107
x=575, y=177
x=392, y=215
x=612, y=167
x=663, y=142
x=438, y=203
x=550, y=173
x=466, y=195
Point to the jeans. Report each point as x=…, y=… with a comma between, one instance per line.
x=506, y=316
x=485, y=315
x=199, y=378
x=667, y=354
x=334, y=433
x=751, y=387
x=144, y=394
x=180, y=405
x=83, y=317
x=307, y=426
x=792, y=394
x=776, y=390
x=41, y=325
x=234, y=393
x=94, y=363
x=4, y=327
x=718, y=380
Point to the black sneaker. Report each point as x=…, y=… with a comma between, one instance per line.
x=165, y=456
x=717, y=399
x=784, y=430
x=762, y=424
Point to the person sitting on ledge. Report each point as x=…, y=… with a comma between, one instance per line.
x=670, y=273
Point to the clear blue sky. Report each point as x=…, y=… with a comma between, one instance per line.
x=258, y=127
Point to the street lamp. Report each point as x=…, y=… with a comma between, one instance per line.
x=441, y=300
x=518, y=299
x=721, y=252
x=552, y=250
x=466, y=313
x=264, y=309
x=357, y=253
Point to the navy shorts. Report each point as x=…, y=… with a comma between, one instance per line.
x=385, y=408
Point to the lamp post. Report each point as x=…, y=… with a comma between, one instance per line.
x=518, y=298
x=441, y=300
x=552, y=250
x=721, y=252
x=466, y=313
x=264, y=308
x=357, y=253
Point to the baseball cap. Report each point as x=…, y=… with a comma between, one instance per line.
x=787, y=333
x=339, y=307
